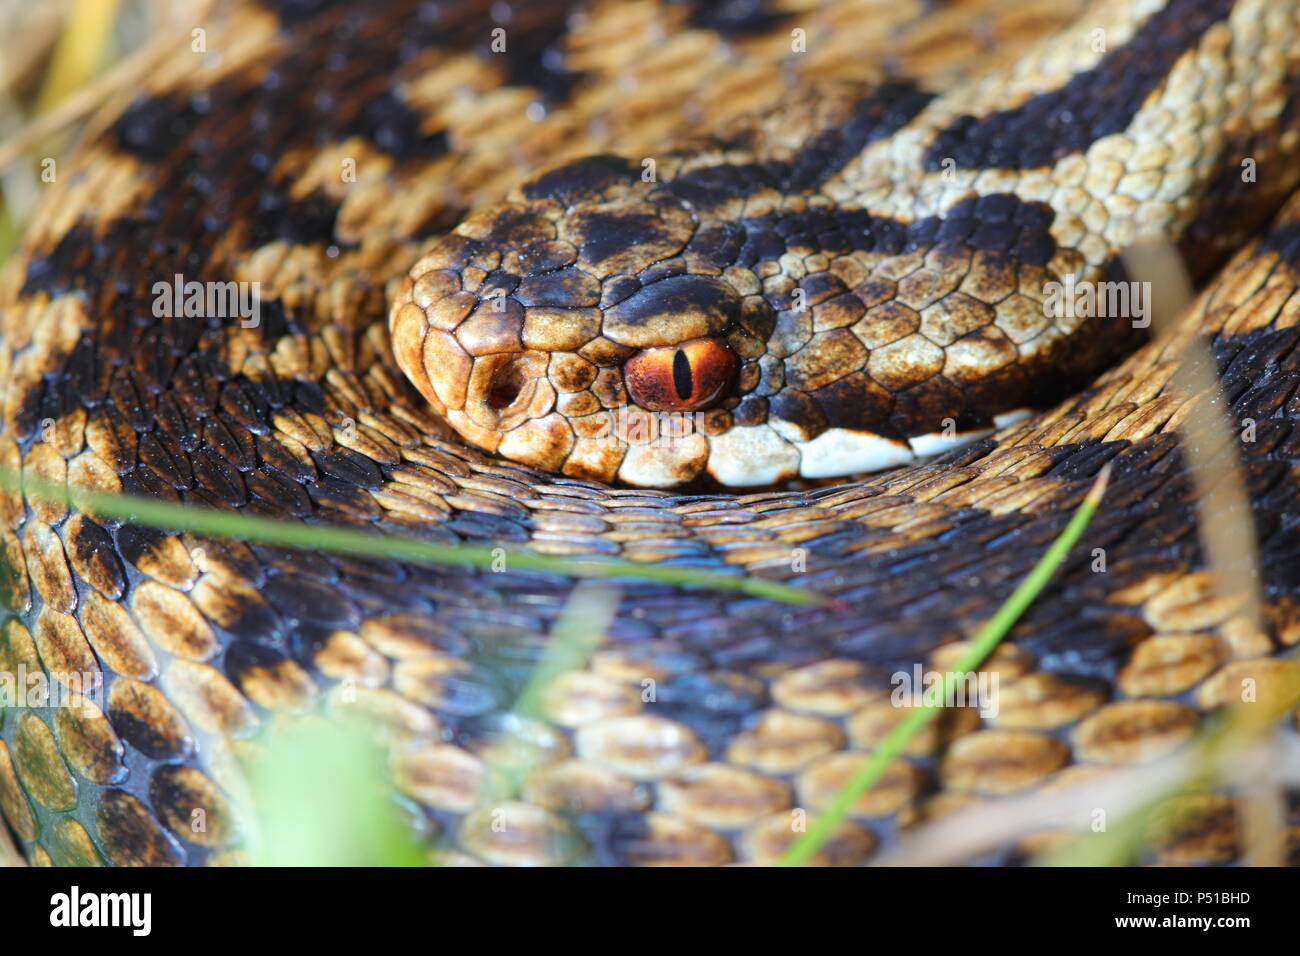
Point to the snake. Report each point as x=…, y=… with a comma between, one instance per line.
x=761, y=288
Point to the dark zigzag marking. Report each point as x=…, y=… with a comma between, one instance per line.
x=1093, y=104
x=733, y=18
x=224, y=143
x=534, y=30
x=1285, y=241
x=880, y=113
x=998, y=223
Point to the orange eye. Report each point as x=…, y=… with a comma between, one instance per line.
x=680, y=378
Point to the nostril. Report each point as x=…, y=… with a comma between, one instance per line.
x=506, y=386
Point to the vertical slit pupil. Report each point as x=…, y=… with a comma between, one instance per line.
x=682, y=379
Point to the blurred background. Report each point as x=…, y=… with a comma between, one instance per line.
x=61, y=60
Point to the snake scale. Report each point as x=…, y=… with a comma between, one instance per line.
x=823, y=233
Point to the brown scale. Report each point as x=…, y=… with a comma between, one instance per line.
x=758, y=707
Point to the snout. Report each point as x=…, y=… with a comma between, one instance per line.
x=461, y=341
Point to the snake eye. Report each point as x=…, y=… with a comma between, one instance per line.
x=680, y=378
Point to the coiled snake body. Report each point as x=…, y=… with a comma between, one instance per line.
x=516, y=206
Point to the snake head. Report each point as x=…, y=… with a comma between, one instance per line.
x=605, y=327
x=584, y=326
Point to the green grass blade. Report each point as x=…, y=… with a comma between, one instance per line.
x=806, y=846
x=581, y=628
x=582, y=625
x=219, y=524
x=318, y=799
